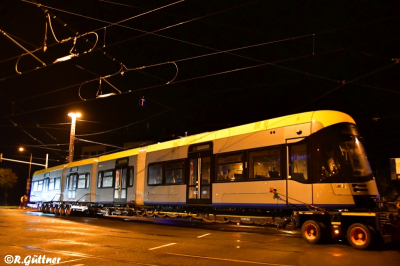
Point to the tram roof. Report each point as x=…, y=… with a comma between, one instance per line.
x=72, y=164
x=324, y=118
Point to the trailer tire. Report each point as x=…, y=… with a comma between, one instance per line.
x=359, y=236
x=311, y=231
x=57, y=210
x=67, y=211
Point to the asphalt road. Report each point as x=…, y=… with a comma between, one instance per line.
x=154, y=241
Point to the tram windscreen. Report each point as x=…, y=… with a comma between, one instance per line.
x=353, y=153
x=339, y=155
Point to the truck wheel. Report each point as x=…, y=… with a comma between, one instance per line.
x=359, y=236
x=311, y=231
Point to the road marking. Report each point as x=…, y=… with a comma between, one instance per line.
x=70, y=261
x=241, y=261
x=204, y=235
x=170, y=244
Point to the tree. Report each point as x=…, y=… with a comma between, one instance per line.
x=8, y=179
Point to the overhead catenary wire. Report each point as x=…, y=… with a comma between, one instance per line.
x=118, y=3
x=47, y=145
x=107, y=131
x=189, y=79
x=91, y=32
x=27, y=133
x=167, y=28
x=23, y=48
x=207, y=55
x=98, y=143
x=103, y=21
x=321, y=32
x=345, y=83
x=172, y=62
x=80, y=67
x=302, y=72
x=111, y=23
x=114, y=129
x=219, y=12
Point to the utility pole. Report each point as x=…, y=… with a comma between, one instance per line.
x=72, y=136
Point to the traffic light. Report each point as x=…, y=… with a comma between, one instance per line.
x=1, y=157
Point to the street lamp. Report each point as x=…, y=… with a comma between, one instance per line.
x=72, y=135
x=28, y=181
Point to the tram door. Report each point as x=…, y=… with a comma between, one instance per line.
x=71, y=185
x=298, y=184
x=201, y=174
x=121, y=178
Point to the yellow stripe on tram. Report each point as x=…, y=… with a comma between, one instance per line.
x=357, y=214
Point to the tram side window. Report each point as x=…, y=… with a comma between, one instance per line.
x=57, y=183
x=72, y=182
x=230, y=167
x=35, y=186
x=40, y=185
x=265, y=164
x=155, y=174
x=131, y=175
x=298, y=162
x=174, y=172
x=108, y=178
x=83, y=181
x=45, y=184
x=51, y=183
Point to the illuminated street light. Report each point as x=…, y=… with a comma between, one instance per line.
x=72, y=135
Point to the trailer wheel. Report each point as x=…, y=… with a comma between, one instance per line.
x=67, y=211
x=62, y=210
x=359, y=236
x=311, y=231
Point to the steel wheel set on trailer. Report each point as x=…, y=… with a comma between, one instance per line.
x=55, y=209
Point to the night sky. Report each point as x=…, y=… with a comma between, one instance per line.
x=227, y=63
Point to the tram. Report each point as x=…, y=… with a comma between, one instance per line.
x=314, y=157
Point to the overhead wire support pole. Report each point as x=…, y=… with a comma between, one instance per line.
x=17, y=161
x=9, y=37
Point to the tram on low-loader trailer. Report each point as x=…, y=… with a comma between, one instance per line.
x=315, y=157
